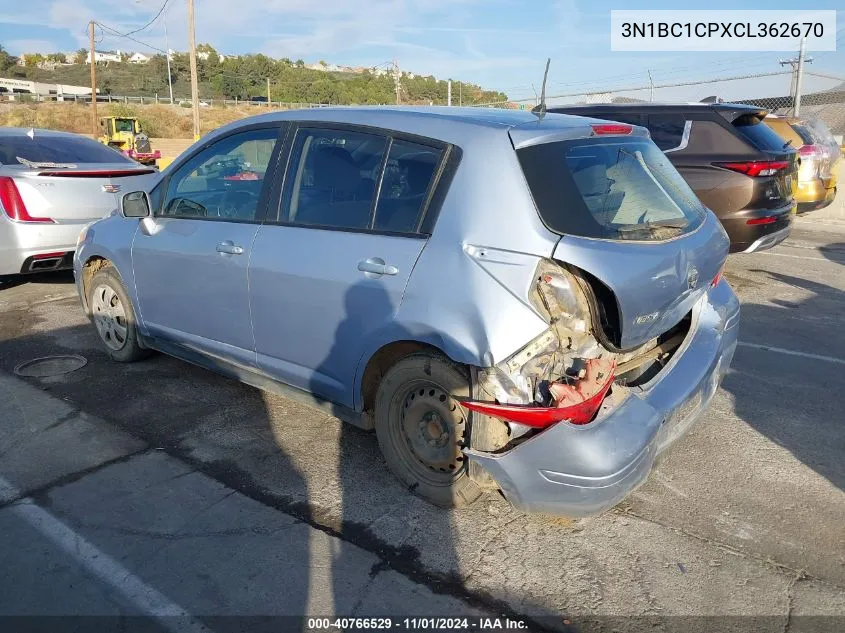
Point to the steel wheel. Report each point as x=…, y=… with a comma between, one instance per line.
x=109, y=317
x=432, y=428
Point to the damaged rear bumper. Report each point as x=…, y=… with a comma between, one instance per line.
x=578, y=471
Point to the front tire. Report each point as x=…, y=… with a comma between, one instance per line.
x=113, y=317
x=421, y=429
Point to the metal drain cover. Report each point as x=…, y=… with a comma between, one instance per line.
x=47, y=366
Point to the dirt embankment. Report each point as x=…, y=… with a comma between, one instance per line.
x=158, y=121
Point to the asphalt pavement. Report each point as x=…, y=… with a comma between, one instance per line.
x=162, y=488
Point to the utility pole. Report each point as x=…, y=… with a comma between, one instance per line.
x=167, y=56
x=95, y=124
x=396, y=76
x=797, y=65
x=460, y=93
x=268, y=92
x=195, y=90
x=799, y=76
x=651, y=86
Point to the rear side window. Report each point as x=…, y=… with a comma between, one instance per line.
x=333, y=178
x=405, y=187
x=56, y=149
x=803, y=133
x=632, y=118
x=789, y=133
x=758, y=133
x=610, y=188
x=667, y=130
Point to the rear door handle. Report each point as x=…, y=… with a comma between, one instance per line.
x=375, y=267
x=229, y=248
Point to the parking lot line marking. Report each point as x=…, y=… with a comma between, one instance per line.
x=792, y=352
x=817, y=259
x=142, y=596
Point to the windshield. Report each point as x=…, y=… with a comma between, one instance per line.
x=124, y=125
x=610, y=188
x=56, y=149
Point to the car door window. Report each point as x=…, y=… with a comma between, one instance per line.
x=667, y=130
x=333, y=178
x=223, y=181
x=406, y=185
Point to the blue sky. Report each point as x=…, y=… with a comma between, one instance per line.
x=498, y=43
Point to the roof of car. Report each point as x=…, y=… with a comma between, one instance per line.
x=487, y=117
x=649, y=105
x=37, y=131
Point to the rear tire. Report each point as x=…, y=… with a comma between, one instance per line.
x=421, y=429
x=114, y=318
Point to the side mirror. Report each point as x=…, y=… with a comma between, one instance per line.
x=135, y=205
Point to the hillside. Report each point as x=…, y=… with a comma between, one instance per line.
x=246, y=76
x=157, y=120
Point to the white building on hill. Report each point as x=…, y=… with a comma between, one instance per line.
x=104, y=56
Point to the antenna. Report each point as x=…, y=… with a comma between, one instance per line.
x=540, y=109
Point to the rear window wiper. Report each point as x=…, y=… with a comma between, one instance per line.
x=44, y=165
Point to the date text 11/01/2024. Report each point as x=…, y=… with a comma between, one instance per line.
x=417, y=624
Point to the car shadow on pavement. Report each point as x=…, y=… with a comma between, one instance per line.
x=317, y=472
x=166, y=524
x=796, y=409
x=61, y=277
x=834, y=252
x=367, y=305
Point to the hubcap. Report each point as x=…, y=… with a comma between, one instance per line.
x=109, y=317
x=433, y=428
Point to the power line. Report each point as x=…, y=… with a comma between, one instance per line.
x=150, y=23
x=129, y=37
x=665, y=85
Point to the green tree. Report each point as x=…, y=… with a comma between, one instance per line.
x=6, y=60
x=81, y=55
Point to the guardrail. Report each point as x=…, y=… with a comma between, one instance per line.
x=156, y=100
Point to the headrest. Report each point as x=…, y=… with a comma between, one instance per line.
x=334, y=169
x=419, y=169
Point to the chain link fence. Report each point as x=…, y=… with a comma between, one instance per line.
x=823, y=96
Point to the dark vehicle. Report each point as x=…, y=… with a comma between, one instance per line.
x=257, y=100
x=737, y=166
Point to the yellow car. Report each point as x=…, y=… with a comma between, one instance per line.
x=820, y=156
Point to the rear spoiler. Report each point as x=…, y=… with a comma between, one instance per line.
x=734, y=111
x=94, y=173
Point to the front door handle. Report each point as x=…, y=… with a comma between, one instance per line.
x=229, y=248
x=376, y=267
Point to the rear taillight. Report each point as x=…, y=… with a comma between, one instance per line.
x=12, y=203
x=601, y=129
x=756, y=167
x=806, y=151
x=769, y=219
x=811, y=162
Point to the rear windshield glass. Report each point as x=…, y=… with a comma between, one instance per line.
x=759, y=134
x=56, y=149
x=610, y=188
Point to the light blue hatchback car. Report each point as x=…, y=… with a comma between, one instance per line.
x=533, y=304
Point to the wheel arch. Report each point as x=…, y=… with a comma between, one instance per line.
x=92, y=265
x=375, y=365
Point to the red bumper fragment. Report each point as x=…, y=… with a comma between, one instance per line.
x=576, y=403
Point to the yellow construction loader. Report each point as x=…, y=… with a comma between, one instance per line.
x=124, y=133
